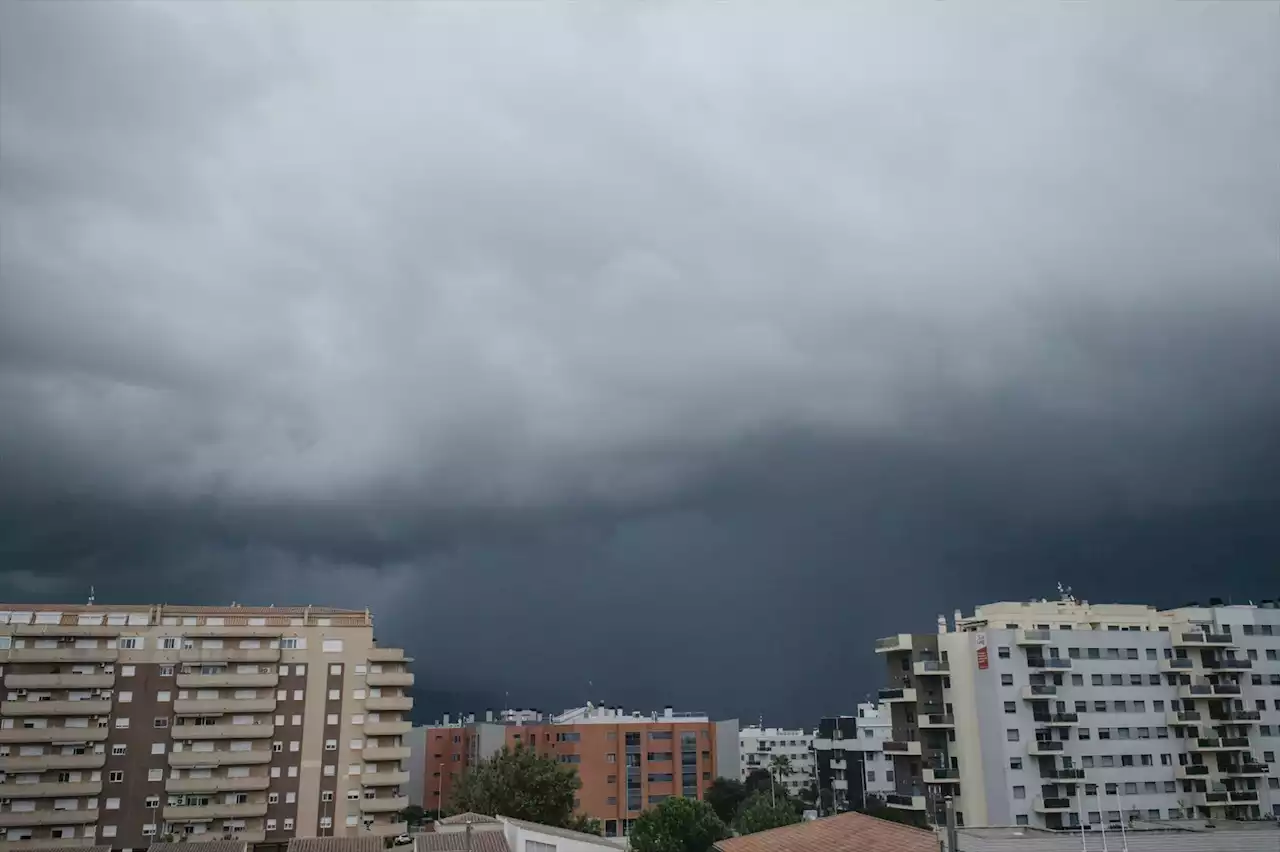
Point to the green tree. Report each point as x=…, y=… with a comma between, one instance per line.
x=809, y=795
x=678, y=825
x=725, y=795
x=586, y=824
x=414, y=815
x=762, y=812
x=519, y=784
x=758, y=780
x=780, y=767
x=877, y=807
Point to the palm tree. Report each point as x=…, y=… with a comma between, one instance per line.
x=780, y=767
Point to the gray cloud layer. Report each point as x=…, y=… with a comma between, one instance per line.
x=614, y=333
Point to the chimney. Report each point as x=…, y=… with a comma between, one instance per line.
x=956, y=625
x=488, y=715
x=942, y=624
x=446, y=720
x=667, y=712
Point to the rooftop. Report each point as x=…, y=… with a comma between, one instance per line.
x=143, y=615
x=367, y=843
x=852, y=832
x=1188, y=836
x=208, y=846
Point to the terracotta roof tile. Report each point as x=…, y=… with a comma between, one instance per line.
x=456, y=841
x=367, y=843
x=845, y=833
x=206, y=846
x=468, y=817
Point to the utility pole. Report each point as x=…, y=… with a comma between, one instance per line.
x=953, y=834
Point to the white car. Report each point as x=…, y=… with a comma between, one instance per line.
x=403, y=840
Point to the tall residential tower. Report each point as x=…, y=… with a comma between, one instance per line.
x=123, y=724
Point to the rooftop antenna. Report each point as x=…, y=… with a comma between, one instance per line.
x=1064, y=592
x=92, y=597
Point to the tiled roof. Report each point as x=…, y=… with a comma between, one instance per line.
x=210, y=846
x=1135, y=841
x=76, y=849
x=468, y=817
x=367, y=843
x=844, y=833
x=456, y=841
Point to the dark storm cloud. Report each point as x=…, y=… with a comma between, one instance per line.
x=677, y=345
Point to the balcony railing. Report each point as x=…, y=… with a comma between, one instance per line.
x=1039, y=747
x=1244, y=795
x=389, y=679
x=50, y=762
x=53, y=735
x=901, y=747
x=941, y=776
x=229, y=655
x=384, y=804
x=87, y=707
x=384, y=779
x=937, y=720
x=182, y=759
x=907, y=694
x=1184, y=717
x=217, y=785
x=50, y=790
x=63, y=655
x=1197, y=638
x=1236, y=716
x=1230, y=664
x=59, y=681
x=889, y=644
x=378, y=754
x=228, y=680
x=1055, y=663
x=222, y=706
x=222, y=732
x=1220, y=744
x=389, y=703
x=1036, y=691
x=1193, y=770
x=1177, y=664
x=61, y=816
x=1246, y=770
x=1034, y=637
x=1057, y=718
x=905, y=802
x=1063, y=774
x=215, y=810
x=931, y=667
x=1052, y=804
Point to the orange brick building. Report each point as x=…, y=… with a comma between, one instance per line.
x=627, y=762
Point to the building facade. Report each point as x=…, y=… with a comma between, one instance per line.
x=626, y=761
x=124, y=724
x=760, y=747
x=1055, y=714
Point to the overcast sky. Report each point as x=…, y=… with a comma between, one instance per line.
x=648, y=353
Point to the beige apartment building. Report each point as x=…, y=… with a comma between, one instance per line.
x=123, y=725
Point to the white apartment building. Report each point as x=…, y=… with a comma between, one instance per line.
x=849, y=756
x=1055, y=714
x=759, y=746
x=122, y=725
x=874, y=727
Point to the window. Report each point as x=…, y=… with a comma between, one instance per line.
x=129, y=643
x=335, y=669
x=124, y=697
x=331, y=646
x=1011, y=707
x=166, y=671
x=115, y=776
x=1003, y=652
x=122, y=722
x=1019, y=792
x=273, y=798
x=1006, y=680
x=326, y=796
x=288, y=823
x=1012, y=735
x=155, y=774
x=330, y=745
x=290, y=643
x=119, y=749
x=1015, y=763
x=112, y=805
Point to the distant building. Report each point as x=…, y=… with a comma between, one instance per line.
x=627, y=761
x=1053, y=714
x=124, y=724
x=758, y=747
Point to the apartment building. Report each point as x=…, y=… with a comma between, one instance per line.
x=122, y=725
x=759, y=747
x=626, y=761
x=1057, y=714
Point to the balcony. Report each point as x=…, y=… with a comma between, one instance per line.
x=187, y=759
x=229, y=680
x=388, y=829
x=1184, y=717
x=1177, y=664
x=59, y=681
x=1039, y=691
x=1052, y=805
x=384, y=779
x=1048, y=663
x=840, y=764
x=1229, y=664
x=51, y=843
x=1245, y=770
x=50, y=790
x=1063, y=774
x=392, y=703
x=215, y=810
x=901, y=695
x=1034, y=637
x=379, y=754
x=1210, y=798
x=384, y=804
x=1236, y=717
x=1057, y=719
x=903, y=802
x=18, y=819
x=911, y=747
x=937, y=720
x=49, y=762
x=1193, y=691
x=229, y=655
x=1191, y=772
x=840, y=784
x=1219, y=744
x=222, y=706
x=63, y=655
x=389, y=679
x=1046, y=748
x=217, y=785
x=941, y=776
x=890, y=644
x=930, y=667
x=1196, y=639
x=1226, y=689
x=386, y=655
x=53, y=735
x=222, y=732
x=92, y=707
x=1237, y=796
x=387, y=729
